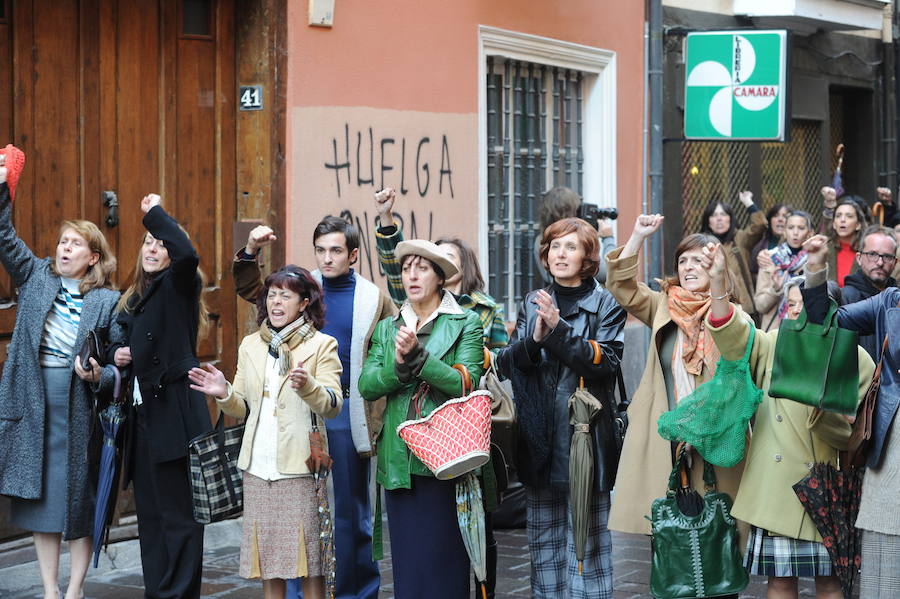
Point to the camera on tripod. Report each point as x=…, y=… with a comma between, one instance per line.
x=592, y=213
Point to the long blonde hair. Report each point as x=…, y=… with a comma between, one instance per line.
x=141, y=281
x=100, y=274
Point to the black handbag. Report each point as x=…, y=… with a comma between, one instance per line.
x=694, y=554
x=92, y=347
x=217, y=486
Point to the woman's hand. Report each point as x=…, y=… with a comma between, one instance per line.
x=645, y=226
x=884, y=195
x=746, y=198
x=122, y=357
x=93, y=375
x=149, y=201
x=816, y=252
x=764, y=260
x=298, y=376
x=259, y=237
x=405, y=342
x=209, y=380
x=714, y=263
x=384, y=206
x=547, y=315
x=829, y=197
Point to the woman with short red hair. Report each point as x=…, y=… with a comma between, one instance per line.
x=568, y=332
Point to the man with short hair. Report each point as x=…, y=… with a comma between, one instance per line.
x=876, y=257
x=353, y=306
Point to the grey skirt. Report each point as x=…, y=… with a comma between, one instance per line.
x=48, y=514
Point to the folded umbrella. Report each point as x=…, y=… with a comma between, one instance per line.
x=831, y=498
x=111, y=419
x=583, y=409
x=470, y=515
x=319, y=463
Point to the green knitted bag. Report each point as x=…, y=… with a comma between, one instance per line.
x=714, y=417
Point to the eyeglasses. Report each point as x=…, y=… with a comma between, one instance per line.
x=875, y=256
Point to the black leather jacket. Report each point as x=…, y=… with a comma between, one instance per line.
x=563, y=357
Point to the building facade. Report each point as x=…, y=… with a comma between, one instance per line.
x=842, y=90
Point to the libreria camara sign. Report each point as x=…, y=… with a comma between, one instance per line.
x=736, y=85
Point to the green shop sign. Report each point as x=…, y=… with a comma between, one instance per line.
x=735, y=85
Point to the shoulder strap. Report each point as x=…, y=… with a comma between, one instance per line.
x=750, y=340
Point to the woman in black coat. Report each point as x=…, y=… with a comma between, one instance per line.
x=571, y=330
x=160, y=314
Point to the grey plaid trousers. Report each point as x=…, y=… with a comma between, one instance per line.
x=554, y=568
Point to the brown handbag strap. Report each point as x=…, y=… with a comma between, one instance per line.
x=466, y=378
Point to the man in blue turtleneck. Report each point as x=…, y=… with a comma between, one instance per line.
x=353, y=306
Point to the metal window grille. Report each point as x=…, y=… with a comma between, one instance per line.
x=789, y=173
x=534, y=142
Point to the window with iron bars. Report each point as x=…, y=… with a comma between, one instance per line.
x=534, y=142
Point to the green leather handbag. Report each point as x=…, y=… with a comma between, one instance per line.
x=694, y=555
x=817, y=364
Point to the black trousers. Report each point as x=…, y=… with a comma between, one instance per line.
x=171, y=541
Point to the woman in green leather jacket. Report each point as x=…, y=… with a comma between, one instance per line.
x=416, y=352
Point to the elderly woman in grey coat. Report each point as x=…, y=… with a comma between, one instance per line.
x=45, y=409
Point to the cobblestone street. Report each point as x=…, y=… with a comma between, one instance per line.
x=119, y=574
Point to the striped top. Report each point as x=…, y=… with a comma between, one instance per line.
x=57, y=347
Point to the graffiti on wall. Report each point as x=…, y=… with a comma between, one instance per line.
x=369, y=168
x=347, y=154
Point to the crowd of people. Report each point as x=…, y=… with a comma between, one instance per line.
x=334, y=353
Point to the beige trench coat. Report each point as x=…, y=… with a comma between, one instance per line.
x=788, y=438
x=646, y=460
x=737, y=258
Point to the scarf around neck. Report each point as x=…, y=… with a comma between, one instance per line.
x=283, y=341
x=688, y=310
x=786, y=260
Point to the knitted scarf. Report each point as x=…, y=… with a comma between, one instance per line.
x=688, y=310
x=283, y=341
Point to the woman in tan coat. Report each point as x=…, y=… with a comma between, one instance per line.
x=681, y=356
x=288, y=377
x=788, y=437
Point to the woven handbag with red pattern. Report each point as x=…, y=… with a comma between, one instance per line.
x=455, y=438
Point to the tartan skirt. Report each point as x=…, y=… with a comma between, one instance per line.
x=771, y=555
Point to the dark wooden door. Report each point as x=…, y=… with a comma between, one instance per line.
x=133, y=97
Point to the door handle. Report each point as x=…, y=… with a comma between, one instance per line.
x=112, y=203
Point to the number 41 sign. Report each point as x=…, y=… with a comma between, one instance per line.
x=250, y=97
x=736, y=85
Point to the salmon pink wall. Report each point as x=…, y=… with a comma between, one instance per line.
x=410, y=62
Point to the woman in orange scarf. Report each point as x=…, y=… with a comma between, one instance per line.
x=682, y=355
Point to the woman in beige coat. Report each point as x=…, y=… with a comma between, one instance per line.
x=288, y=378
x=675, y=317
x=788, y=438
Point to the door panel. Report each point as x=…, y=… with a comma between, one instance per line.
x=110, y=95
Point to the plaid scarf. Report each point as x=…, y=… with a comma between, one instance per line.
x=688, y=310
x=283, y=341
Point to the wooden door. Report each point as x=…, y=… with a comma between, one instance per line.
x=133, y=97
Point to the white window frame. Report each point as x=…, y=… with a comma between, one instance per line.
x=598, y=119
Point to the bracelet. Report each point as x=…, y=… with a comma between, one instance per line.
x=727, y=293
